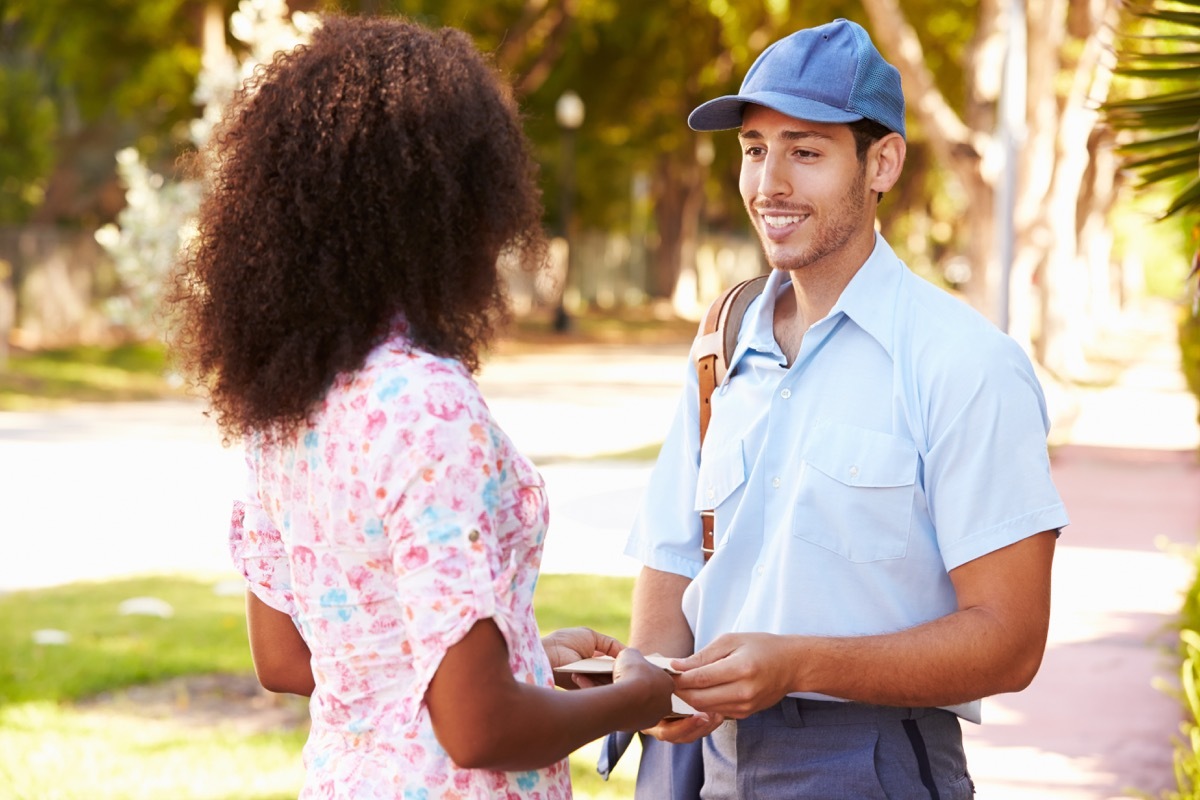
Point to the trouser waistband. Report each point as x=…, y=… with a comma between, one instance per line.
x=802, y=711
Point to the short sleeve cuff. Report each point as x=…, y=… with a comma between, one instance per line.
x=988, y=541
x=259, y=555
x=661, y=559
x=442, y=611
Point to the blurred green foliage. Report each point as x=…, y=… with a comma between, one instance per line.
x=137, y=371
x=1187, y=748
x=78, y=82
x=28, y=126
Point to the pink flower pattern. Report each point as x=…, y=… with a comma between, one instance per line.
x=386, y=528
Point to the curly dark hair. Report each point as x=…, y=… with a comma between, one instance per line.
x=379, y=170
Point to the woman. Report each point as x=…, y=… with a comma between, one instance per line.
x=343, y=281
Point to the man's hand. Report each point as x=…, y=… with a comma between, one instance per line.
x=568, y=645
x=737, y=675
x=688, y=729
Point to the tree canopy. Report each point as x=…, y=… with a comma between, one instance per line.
x=79, y=81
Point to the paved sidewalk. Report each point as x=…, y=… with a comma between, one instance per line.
x=1094, y=725
x=95, y=492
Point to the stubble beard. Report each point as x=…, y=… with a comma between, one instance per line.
x=833, y=229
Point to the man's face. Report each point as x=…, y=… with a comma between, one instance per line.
x=804, y=187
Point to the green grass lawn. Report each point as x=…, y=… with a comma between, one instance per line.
x=127, y=709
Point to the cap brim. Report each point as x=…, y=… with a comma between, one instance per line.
x=725, y=112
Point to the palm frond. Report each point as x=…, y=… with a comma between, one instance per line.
x=1187, y=19
x=1186, y=200
x=1170, y=173
x=1185, y=160
x=1154, y=144
x=1175, y=73
x=1165, y=119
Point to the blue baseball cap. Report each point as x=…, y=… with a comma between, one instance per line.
x=830, y=73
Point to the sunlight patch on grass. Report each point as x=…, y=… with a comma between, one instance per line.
x=53, y=753
x=61, y=738
x=107, y=650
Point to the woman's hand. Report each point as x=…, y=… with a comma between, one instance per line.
x=632, y=668
x=568, y=645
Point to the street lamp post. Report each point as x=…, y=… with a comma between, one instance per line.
x=568, y=112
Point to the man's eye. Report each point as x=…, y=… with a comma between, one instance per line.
x=754, y=151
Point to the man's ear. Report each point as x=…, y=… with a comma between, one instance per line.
x=887, y=162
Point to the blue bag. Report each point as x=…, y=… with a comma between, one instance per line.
x=666, y=771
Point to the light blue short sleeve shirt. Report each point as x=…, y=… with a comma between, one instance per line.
x=907, y=438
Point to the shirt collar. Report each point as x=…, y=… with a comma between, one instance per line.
x=759, y=321
x=868, y=300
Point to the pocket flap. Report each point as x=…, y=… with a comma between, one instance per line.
x=722, y=471
x=862, y=457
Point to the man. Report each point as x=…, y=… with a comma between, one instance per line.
x=876, y=456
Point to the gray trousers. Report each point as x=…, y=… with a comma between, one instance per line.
x=827, y=750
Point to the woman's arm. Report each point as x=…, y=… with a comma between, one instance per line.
x=281, y=658
x=486, y=719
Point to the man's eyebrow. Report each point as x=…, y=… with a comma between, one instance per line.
x=791, y=136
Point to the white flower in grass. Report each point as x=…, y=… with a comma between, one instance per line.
x=146, y=607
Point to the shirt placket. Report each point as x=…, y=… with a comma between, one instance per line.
x=781, y=468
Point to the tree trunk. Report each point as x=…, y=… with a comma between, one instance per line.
x=956, y=144
x=1064, y=307
x=678, y=197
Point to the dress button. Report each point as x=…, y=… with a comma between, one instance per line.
x=775, y=483
x=473, y=536
x=785, y=394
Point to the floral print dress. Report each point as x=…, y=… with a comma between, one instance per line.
x=394, y=521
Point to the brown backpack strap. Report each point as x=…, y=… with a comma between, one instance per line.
x=712, y=351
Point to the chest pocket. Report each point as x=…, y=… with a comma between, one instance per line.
x=856, y=493
x=722, y=471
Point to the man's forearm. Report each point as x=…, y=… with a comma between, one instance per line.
x=962, y=657
x=952, y=660
x=658, y=624
x=993, y=643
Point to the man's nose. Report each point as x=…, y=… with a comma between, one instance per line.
x=773, y=180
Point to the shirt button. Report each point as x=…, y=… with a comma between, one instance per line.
x=775, y=483
x=473, y=536
x=854, y=472
x=711, y=493
x=759, y=570
x=785, y=394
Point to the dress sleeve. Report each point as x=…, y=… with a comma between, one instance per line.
x=258, y=551
x=438, y=488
